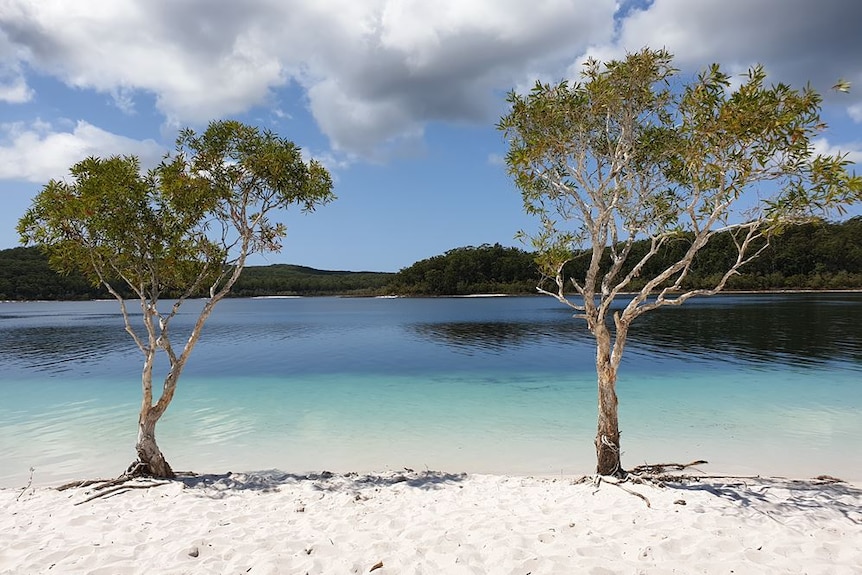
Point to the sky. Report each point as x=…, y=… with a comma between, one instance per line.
x=398, y=98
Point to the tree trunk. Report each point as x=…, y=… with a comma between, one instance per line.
x=608, y=432
x=151, y=462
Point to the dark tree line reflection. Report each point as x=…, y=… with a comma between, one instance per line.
x=59, y=348
x=800, y=329
x=500, y=336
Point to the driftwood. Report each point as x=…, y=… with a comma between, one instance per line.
x=29, y=483
x=662, y=468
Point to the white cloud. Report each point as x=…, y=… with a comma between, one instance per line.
x=124, y=99
x=38, y=152
x=852, y=151
x=798, y=41
x=13, y=85
x=377, y=72
x=200, y=62
x=14, y=90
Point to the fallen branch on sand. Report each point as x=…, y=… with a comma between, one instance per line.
x=29, y=483
x=661, y=468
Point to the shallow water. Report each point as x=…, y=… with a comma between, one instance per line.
x=768, y=384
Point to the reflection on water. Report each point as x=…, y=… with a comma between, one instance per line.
x=501, y=336
x=58, y=348
x=59, y=337
x=797, y=329
x=333, y=334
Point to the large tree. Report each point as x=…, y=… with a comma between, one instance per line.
x=184, y=229
x=630, y=152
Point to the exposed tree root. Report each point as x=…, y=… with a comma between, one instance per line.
x=109, y=487
x=84, y=483
x=117, y=489
x=660, y=474
x=618, y=483
x=137, y=470
x=654, y=475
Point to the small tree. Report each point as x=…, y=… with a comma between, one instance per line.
x=628, y=155
x=182, y=230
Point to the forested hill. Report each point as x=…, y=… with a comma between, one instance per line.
x=811, y=256
x=816, y=256
x=285, y=279
x=25, y=275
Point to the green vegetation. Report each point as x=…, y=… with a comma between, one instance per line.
x=26, y=275
x=634, y=152
x=470, y=270
x=284, y=279
x=184, y=228
x=814, y=256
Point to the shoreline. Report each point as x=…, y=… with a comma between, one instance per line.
x=433, y=522
x=477, y=295
x=723, y=462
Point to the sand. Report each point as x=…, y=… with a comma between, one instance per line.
x=434, y=523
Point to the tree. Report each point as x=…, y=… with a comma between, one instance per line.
x=183, y=229
x=631, y=153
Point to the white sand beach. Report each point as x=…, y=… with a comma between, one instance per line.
x=271, y=522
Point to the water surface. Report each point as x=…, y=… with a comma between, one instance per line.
x=767, y=384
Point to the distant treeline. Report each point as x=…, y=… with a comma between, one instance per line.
x=818, y=255
x=469, y=270
x=25, y=275
x=284, y=279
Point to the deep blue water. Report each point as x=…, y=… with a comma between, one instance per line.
x=755, y=383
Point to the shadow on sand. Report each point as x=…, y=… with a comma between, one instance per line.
x=778, y=496
x=271, y=480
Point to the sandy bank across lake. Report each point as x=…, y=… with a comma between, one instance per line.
x=272, y=522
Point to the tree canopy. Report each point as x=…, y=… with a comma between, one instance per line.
x=469, y=270
x=185, y=227
x=631, y=153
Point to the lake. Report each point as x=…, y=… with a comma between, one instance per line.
x=768, y=384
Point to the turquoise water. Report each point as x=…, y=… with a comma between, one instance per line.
x=753, y=384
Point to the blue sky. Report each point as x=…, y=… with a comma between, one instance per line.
x=399, y=98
